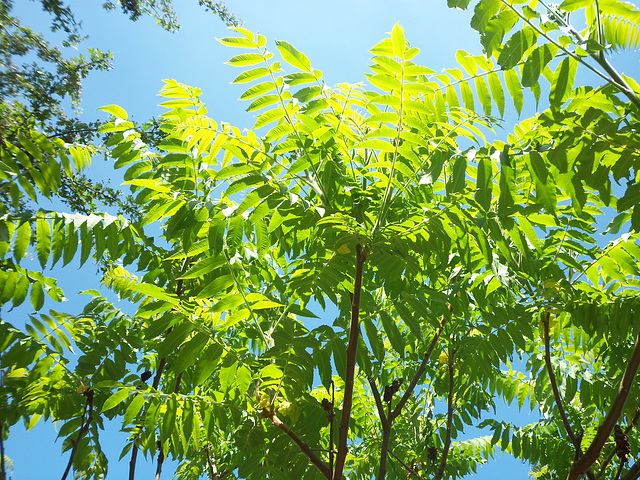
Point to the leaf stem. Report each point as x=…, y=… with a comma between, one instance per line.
x=244, y=297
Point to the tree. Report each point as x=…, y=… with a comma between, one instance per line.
x=32, y=95
x=460, y=269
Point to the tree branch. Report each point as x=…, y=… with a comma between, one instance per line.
x=386, y=430
x=604, y=430
x=160, y=461
x=352, y=349
x=411, y=471
x=554, y=386
x=304, y=447
x=447, y=441
x=132, y=462
x=378, y=399
x=421, y=369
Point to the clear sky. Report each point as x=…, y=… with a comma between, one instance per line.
x=335, y=35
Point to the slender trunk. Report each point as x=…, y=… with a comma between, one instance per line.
x=352, y=349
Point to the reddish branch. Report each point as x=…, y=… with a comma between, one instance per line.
x=352, y=348
x=304, y=447
x=554, y=386
x=581, y=465
x=88, y=411
x=447, y=441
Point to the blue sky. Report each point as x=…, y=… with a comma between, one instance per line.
x=335, y=35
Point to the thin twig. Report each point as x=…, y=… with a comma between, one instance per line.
x=604, y=430
x=421, y=369
x=411, y=471
x=352, y=349
x=304, y=447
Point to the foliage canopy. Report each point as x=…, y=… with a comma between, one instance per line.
x=461, y=270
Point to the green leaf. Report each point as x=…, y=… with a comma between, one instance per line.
x=115, y=399
x=467, y=96
x=293, y=56
x=484, y=183
x=207, y=362
x=515, y=89
x=398, y=41
x=257, y=90
x=37, y=295
x=21, y=243
x=205, y=266
x=241, y=42
x=496, y=90
x=216, y=286
x=133, y=409
x=43, y=240
x=175, y=338
x=190, y=351
x=516, y=47
x=393, y=334
x=545, y=186
x=483, y=94
x=251, y=75
x=245, y=59
x=536, y=62
x=562, y=82
x=20, y=291
x=115, y=110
